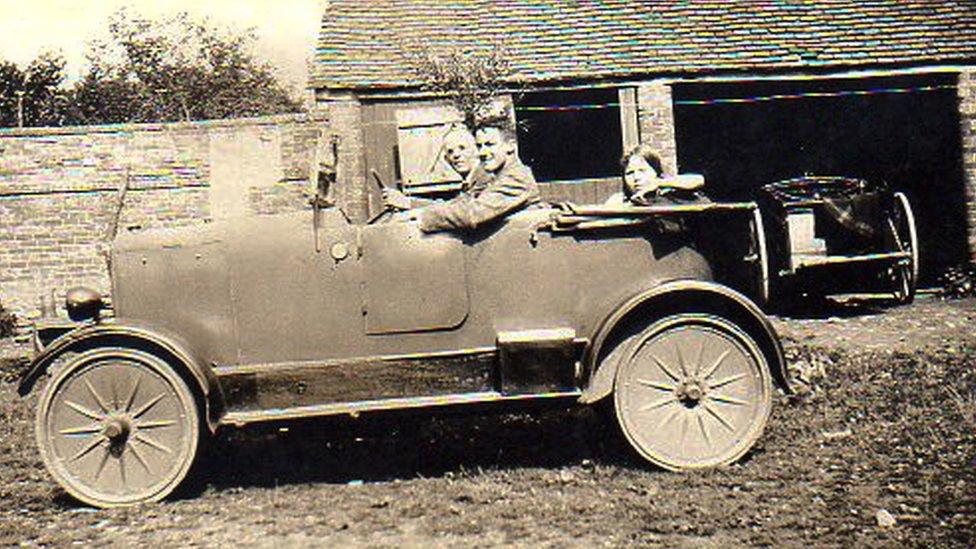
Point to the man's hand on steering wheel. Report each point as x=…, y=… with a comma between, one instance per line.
x=395, y=200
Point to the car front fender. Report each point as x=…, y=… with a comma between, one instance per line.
x=674, y=297
x=133, y=334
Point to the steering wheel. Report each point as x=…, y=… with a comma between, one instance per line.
x=387, y=212
x=385, y=215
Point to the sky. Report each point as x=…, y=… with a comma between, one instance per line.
x=286, y=29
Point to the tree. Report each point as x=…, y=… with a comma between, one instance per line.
x=32, y=96
x=173, y=69
x=472, y=79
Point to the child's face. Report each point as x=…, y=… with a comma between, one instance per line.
x=639, y=176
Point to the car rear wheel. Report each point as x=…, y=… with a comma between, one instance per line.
x=759, y=256
x=693, y=391
x=904, y=274
x=118, y=427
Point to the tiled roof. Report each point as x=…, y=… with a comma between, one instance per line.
x=362, y=41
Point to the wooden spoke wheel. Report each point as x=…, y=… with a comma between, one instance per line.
x=760, y=257
x=692, y=391
x=904, y=274
x=117, y=427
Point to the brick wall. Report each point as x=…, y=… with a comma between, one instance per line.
x=346, y=122
x=967, y=115
x=655, y=119
x=59, y=190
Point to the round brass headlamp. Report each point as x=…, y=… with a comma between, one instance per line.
x=83, y=304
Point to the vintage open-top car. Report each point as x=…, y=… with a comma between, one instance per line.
x=306, y=314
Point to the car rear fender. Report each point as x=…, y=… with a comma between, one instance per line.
x=679, y=296
x=135, y=335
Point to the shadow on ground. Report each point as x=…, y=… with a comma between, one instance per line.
x=409, y=446
x=821, y=308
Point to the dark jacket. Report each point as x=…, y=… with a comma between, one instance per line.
x=669, y=196
x=490, y=197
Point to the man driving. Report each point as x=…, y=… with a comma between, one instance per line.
x=500, y=186
x=461, y=154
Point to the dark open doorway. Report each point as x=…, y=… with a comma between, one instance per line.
x=903, y=130
x=570, y=134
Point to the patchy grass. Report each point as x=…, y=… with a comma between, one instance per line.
x=958, y=281
x=965, y=404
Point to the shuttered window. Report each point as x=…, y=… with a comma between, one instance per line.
x=420, y=143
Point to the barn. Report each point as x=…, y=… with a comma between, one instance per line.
x=745, y=93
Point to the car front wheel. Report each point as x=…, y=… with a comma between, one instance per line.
x=117, y=427
x=692, y=391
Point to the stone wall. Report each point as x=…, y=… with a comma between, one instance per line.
x=60, y=190
x=655, y=118
x=967, y=116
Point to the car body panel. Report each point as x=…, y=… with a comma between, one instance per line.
x=289, y=296
x=178, y=279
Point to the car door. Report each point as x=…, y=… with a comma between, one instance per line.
x=412, y=282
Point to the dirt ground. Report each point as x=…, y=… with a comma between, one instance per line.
x=883, y=427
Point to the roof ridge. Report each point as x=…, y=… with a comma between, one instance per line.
x=565, y=39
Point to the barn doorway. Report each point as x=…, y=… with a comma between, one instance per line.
x=903, y=130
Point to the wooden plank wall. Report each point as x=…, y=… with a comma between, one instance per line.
x=585, y=191
x=380, y=140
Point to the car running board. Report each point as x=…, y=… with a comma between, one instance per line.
x=240, y=418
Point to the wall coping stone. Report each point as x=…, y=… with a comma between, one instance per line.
x=277, y=119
